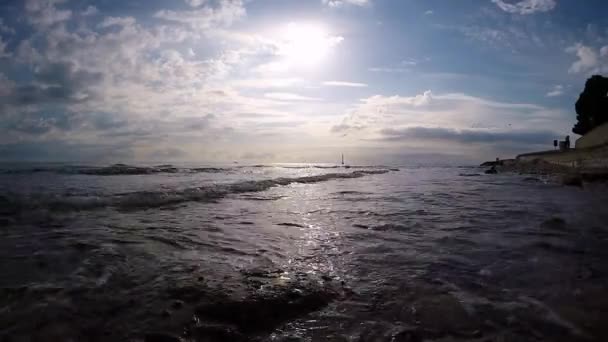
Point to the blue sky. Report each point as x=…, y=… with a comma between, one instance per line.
x=383, y=81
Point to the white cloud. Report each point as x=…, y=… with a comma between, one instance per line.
x=226, y=13
x=388, y=69
x=195, y=3
x=267, y=83
x=290, y=97
x=344, y=84
x=526, y=6
x=453, y=111
x=590, y=60
x=89, y=11
x=340, y=3
x=117, y=21
x=557, y=90
x=428, y=12
x=44, y=13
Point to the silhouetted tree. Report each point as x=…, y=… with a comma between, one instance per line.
x=592, y=105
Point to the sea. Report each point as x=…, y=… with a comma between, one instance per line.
x=299, y=252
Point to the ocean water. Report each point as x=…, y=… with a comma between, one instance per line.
x=294, y=252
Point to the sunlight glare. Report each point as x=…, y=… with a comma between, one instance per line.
x=306, y=44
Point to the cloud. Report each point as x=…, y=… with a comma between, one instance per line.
x=341, y=3
x=450, y=121
x=526, y=6
x=195, y=3
x=258, y=156
x=117, y=21
x=428, y=12
x=267, y=83
x=132, y=83
x=89, y=11
x=59, y=150
x=290, y=97
x=590, y=60
x=3, y=52
x=344, y=84
x=55, y=83
x=226, y=13
x=44, y=13
x=388, y=69
x=525, y=137
x=4, y=28
x=557, y=90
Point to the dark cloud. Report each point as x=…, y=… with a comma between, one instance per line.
x=39, y=123
x=55, y=83
x=540, y=137
x=64, y=151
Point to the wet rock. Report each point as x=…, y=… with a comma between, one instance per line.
x=217, y=333
x=263, y=314
x=177, y=304
x=161, y=337
x=408, y=335
x=288, y=224
x=572, y=180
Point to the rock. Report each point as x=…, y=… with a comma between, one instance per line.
x=161, y=337
x=166, y=313
x=408, y=335
x=491, y=171
x=572, y=180
x=217, y=333
x=265, y=313
x=177, y=304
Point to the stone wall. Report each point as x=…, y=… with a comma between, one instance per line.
x=586, y=158
x=597, y=137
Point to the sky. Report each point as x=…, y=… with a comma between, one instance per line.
x=382, y=81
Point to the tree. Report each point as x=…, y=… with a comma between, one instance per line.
x=592, y=105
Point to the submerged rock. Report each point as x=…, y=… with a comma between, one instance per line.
x=265, y=313
x=161, y=337
x=217, y=333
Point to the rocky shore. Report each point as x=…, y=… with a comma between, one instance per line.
x=559, y=173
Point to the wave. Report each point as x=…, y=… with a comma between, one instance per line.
x=112, y=170
x=124, y=169
x=14, y=204
x=323, y=167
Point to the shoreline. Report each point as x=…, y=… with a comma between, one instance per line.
x=566, y=175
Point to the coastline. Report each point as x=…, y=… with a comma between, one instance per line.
x=559, y=173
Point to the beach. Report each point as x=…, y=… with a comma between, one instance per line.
x=298, y=252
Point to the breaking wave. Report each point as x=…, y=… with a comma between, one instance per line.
x=12, y=204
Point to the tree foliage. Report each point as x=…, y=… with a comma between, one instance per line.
x=592, y=105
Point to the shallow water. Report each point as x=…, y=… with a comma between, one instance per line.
x=299, y=253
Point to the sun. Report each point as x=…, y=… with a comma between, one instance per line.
x=306, y=44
